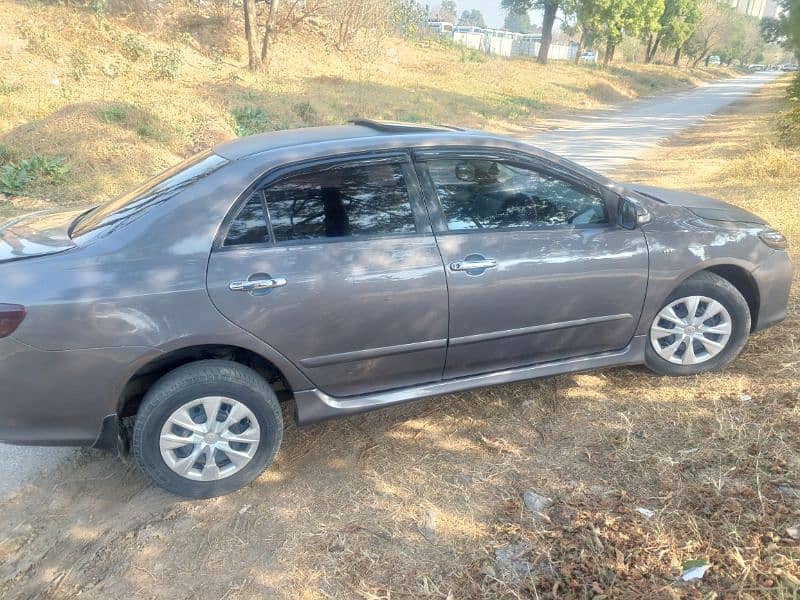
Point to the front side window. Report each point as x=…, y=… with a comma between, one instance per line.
x=356, y=200
x=492, y=194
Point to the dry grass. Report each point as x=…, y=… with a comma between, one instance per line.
x=416, y=501
x=61, y=71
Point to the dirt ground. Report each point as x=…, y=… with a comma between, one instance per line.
x=426, y=500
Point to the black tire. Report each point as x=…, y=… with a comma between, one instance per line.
x=197, y=380
x=715, y=287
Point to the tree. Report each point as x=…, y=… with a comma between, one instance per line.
x=446, y=11
x=518, y=22
x=786, y=28
x=612, y=20
x=715, y=20
x=257, y=60
x=251, y=33
x=675, y=25
x=550, y=8
x=473, y=18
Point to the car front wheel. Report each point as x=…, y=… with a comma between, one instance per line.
x=702, y=326
x=207, y=428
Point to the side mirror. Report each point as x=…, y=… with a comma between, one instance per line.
x=630, y=214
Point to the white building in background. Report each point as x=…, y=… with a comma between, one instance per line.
x=771, y=9
x=753, y=8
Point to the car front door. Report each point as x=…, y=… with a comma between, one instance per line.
x=537, y=268
x=335, y=265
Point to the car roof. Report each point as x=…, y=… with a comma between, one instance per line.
x=362, y=132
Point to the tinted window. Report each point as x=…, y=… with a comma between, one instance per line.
x=337, y=202
x=488, y=194
x=158, y=190
x=250, y=225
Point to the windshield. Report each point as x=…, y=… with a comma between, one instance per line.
x=160, y=189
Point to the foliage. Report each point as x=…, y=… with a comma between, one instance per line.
x=79, y=64
x=446, y=11
x=38, y=39
x=133, y=48
x=113, y=114
x=789, y=122
x=519, y=22
x=17, y=177
x=549, y=9
x=473, y=18
x=676, y=24
x=722, y=30
x=249, y=120
x=407, y=18
x=786, y=28
x=167, y=63
x=7, y=88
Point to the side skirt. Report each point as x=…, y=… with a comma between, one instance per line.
x=313, y=406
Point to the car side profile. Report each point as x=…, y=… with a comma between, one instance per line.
x=350, y=268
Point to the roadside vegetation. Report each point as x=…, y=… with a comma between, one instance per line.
x=116, y=95
x=647, y=477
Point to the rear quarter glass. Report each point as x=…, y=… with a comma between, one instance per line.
x=160, y=189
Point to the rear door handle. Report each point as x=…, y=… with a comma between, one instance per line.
x=254, y=285
x=473, y=265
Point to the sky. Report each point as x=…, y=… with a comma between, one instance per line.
x=492, y=13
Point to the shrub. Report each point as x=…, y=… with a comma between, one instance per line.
x=249, y=120
x=306, y=112
x=113, y=114
x=167, y=63
x=7, y=88
x=79, y=64
x=789, y=122
x=133, y=48
x=16, y=177
x=39, y=41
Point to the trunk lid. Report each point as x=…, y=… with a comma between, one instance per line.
x=37, y=234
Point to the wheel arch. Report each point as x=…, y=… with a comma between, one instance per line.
x=743, y=281
x=143, y=378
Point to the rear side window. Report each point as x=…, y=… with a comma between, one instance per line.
x=356, y=200
x=492, y=194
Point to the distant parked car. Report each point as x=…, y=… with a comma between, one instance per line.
x=352, y=268
x=790, y=67
x=756, y=67
x=714, y=60
x=589, y=57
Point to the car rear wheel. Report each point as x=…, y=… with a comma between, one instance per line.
x=702, y=326
x=207, y=429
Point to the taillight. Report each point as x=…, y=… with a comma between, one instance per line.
x=11, y=315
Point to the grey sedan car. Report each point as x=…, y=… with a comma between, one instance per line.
x=351, y=268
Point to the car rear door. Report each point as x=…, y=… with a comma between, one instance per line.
x=334, y=264
x=537, y=268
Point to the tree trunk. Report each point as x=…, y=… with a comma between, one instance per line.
x=253, y=58
x=651, y=53
x=609, y=56
x=698, y=60
x=649, y=47
x=579, y=50
x=676, y=61
x=269, y=33
x=550, y=8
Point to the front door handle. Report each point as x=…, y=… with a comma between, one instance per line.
x=470, y=264
x=255, y=285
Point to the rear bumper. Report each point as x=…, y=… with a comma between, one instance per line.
x=774, y=280
x=61, y=398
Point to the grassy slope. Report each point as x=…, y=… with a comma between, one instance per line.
x=68, y=87
x=342, y=512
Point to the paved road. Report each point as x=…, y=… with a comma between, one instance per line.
x=602, y=141
x=605, y=140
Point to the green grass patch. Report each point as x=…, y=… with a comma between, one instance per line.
x=249, y=120
x=17, y=177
